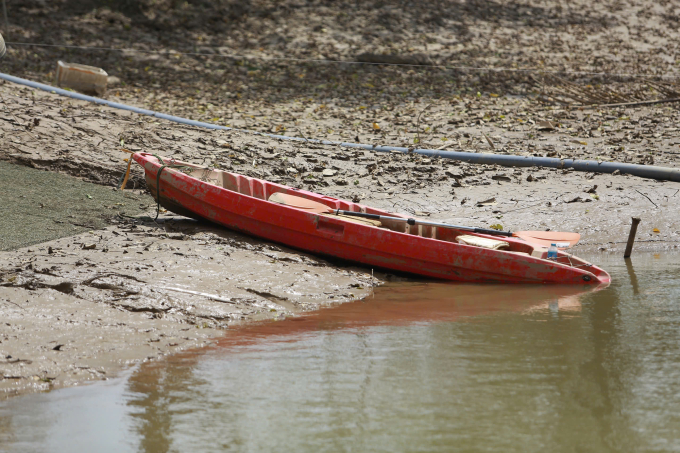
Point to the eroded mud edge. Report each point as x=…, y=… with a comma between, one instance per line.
x=82, y=308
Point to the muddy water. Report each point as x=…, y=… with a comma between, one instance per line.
x=419, y=367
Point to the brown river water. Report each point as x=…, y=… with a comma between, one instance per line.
x=421, y=366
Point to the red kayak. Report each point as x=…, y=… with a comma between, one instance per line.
x=308, y=221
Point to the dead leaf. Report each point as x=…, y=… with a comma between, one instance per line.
x=546, y=125
x=376, y=127
x=656, y=230
x=489, y=202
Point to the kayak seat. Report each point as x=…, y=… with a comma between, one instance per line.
x=317, y=208
x=298, y=202
x=484, y=243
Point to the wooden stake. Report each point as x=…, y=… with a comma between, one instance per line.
x=4, y=14
x=631, y=237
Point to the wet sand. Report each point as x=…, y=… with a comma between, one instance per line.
x=81, y=307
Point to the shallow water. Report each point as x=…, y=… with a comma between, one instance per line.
x=419, y=367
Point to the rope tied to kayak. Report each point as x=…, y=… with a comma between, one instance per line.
x=158, y=181
x=124, y=178
x=158, y=185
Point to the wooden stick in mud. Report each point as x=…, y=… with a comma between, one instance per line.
x=209, y=296
x=4, y=16
x=631, y=237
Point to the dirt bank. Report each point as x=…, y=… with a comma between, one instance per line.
x=80, y=307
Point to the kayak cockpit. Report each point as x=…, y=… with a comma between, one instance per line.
x=265, y=190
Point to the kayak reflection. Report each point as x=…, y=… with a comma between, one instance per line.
x=407, y=303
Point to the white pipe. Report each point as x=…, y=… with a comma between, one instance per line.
x=644, y=171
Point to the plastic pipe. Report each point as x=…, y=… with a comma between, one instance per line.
x=644, y=171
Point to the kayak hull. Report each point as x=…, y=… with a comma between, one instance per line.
x=241, y=203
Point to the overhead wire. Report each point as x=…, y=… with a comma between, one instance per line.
x=673, y=75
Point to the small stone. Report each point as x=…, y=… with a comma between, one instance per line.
x=291, y=170
x=328, y=173
x=89, y=246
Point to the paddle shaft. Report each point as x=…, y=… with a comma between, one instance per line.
x=411, y=221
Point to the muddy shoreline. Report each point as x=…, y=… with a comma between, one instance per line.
x=87, y=293
x=83, y=307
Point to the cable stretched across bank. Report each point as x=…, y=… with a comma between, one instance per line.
x=643, y=171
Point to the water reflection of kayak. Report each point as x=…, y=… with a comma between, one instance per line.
x=410, y=303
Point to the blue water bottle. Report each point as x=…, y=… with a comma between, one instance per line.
x=552, y=252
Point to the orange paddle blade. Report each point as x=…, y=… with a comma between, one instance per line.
x=545, y=238
x=295, y=201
